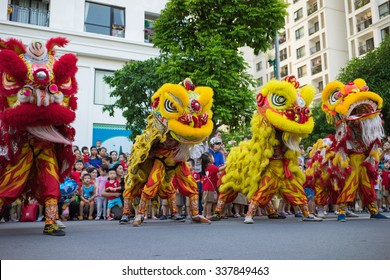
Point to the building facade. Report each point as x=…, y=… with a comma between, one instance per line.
x=104, y=35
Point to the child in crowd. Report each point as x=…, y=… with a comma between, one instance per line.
x=123, y=161
x=378, y=190
x=101, y=201
x=209, y=183
x=386, y=183
x=85, y=154
x=196, y=176
x=76, y=174
x=93, y=158
x=113, y=192
x=87, y=197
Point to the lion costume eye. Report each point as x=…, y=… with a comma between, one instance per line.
x=278, y=100
x=169, y=107
x=334, y=96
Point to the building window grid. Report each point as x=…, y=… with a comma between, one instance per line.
x=384, y=9
x=31, y=12
x=283, y=54
x=300, y=52
x=385, y=32
x=102, y=90
x=316, y=48
x=299, y=33
x=367, y=46
x=259, y=66
x=104, y=19
x=364, y=23
x=360, y=3
x=314, y=28
x=302, y=71
x=312, y=9
x=298, y=14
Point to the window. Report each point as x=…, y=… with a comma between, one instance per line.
x=283, y=54
x=259, y=66
x=384, y=9
x=385, y=32
x=284, y=71
x=301, y=52
x=259, y=81
x=102, y=90
x=31, y=12
x=299, y=33
x=106, y=20
x=302, y=71
x=148, y=27
x=298, y=14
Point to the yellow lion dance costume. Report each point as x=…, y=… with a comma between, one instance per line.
x=346, y=163
x=181, y=117
x=267, y=165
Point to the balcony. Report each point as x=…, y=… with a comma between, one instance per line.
x=366, y=48
x=314, y=28
x=316, y=69
x=314, y=49
x=363, y=24
x=313, y=8
x=360, y=3
x=29, y=15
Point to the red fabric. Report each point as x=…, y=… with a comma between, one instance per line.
x=29, y=213
x=114, y=184
x=385, y=178
x=210, y=179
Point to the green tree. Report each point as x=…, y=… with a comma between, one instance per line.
x=133, y=85
x=200, y=39
x=374, y=68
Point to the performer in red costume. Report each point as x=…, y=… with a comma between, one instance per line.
x=37, y=105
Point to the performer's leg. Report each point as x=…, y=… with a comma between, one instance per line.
x=139, y=218
x=51, y=210
x=224, y=197
x=125, y=219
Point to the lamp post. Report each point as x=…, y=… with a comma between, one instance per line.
x=273, y=58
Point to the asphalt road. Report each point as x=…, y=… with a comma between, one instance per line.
x=290, y=239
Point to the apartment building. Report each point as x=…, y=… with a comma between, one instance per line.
x=104, y=35
x=319, y=38
x=368, y=23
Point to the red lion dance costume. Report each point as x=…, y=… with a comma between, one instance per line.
x=181, y=117
x=346, y=163
x=37, y=104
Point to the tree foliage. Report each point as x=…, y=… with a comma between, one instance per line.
x=200, y=39
x=374, y=68
x=133, y=85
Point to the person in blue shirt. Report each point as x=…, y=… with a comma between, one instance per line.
x=215, y=150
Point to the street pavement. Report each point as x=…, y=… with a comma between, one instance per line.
x=230, y=239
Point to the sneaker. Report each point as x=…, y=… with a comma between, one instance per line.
x=178, y=218
x=336, y=212
x=341, y=218
x=276, y=216
x=249, y=220
x=90, y=218
x=378, y=216
x=237, y=215
x=138, y=220
x=40, y=218
x=2, y=220
x=53, y=230
x=311, y=218
x=109, y=218
x=97, y=218
x=124, y=219
x=298, y=215
x=215, y=217
x=321, y=214
x=350, y=214
x=60, y=224
x=163, y=217
x=200, y=219
x=80, y=218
